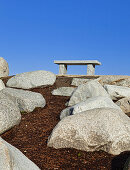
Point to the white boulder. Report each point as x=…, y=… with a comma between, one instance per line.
x=63, y=91
x=2, y=85
x=90, y=103
x=4, y=69
x=84, y=91
x=32, y=79
x=27, y=101
x=124, y=104
x=9, y=113
x=13, y=159
x=117, y=92
x=97, y=129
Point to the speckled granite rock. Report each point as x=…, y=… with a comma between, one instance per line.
x=63, y=91
x=9, y=113
x=117, y=92
x=13, y=159
x=122, y=82
x=32, y=79
x=27, y=101
x=84, y=91
x=111, y=79
x=124, y=104
x=97, y=129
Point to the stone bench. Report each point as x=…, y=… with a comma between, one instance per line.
x=90, y=65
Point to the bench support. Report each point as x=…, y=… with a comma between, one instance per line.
x=90, y=69
x=62, y=69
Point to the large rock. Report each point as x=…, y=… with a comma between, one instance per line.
x=2, y=85
x=32, y=79
x=117, y=92
x=122, y=82
x=110, y=79
x=84, y=91
x=4, y=69
x=63, y=91
x=91, y=103
x=124, y=104
x=13, y=159
x=97, y=129
x=9, y=113
x=27, y=101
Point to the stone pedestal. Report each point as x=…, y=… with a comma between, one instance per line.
x=90, y=69
x=62, y=69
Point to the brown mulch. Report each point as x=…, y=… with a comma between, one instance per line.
x=31, y=136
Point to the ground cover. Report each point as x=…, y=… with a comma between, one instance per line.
x=31, y=136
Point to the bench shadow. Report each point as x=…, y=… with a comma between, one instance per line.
x=119, y=162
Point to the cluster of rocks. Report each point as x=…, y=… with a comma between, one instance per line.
x=14, y=102
x=95, y=118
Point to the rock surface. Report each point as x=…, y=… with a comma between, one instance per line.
x=79, y=81
x=122, y=82
x=117, y=92
x=32, y=79
x=110, y=79
x=97, y=129
x=124, y=104
x=2, y=85
x=84, y=91
x=27, y=101
x=13, y=159
x=4, y=69
x=63, y=91
x=9, y=113
x=91, y=103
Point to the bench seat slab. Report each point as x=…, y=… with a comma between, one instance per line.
x=77, y=62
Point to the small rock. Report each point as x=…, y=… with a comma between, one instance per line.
x=90, y=103
x=124, y=104
x=79, y=81
x=63, y=91
x=4, y=69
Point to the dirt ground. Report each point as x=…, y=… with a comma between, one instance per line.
x=31, y=136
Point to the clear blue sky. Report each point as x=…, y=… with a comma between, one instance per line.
x=34, y=33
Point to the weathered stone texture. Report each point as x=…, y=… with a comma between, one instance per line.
x=97, y=129
x=32, y=79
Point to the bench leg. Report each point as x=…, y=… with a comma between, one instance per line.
x=62, y=69
x=90, y=69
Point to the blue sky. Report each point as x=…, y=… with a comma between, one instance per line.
x=34, y=33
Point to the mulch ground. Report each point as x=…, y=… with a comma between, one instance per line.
x=31, y=136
